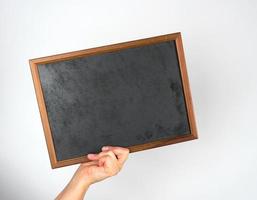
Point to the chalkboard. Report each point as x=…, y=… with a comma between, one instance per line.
x=133, y=94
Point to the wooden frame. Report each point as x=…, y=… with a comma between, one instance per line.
x=110, y=48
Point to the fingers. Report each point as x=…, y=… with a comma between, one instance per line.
x=110, y=165
x=94, y=162
x=121, y=152
x=99, y=155
x=108, y=162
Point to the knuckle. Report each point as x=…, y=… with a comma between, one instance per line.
x=110, y=172
x=101, y=154
x=109, y=152
x=108, y=158
x=119, y=167
x=114, y=172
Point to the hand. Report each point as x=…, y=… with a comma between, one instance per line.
x=103, y=165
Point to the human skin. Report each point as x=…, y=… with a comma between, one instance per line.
x=105, y=164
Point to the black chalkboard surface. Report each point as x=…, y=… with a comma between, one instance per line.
x=131, y=94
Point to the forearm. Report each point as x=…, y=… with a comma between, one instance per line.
x=76, y=190
x=103, y=165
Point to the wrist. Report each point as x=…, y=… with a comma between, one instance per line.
x=75, y=189
x=81, y=179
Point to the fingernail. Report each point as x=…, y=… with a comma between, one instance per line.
x=105, y=148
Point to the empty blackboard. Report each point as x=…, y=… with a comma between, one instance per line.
x=134, y=94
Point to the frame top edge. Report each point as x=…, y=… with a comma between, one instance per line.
x=104, y=48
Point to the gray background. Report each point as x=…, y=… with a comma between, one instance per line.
x=220, y=45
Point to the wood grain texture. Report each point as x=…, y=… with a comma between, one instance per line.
x=106, y=49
